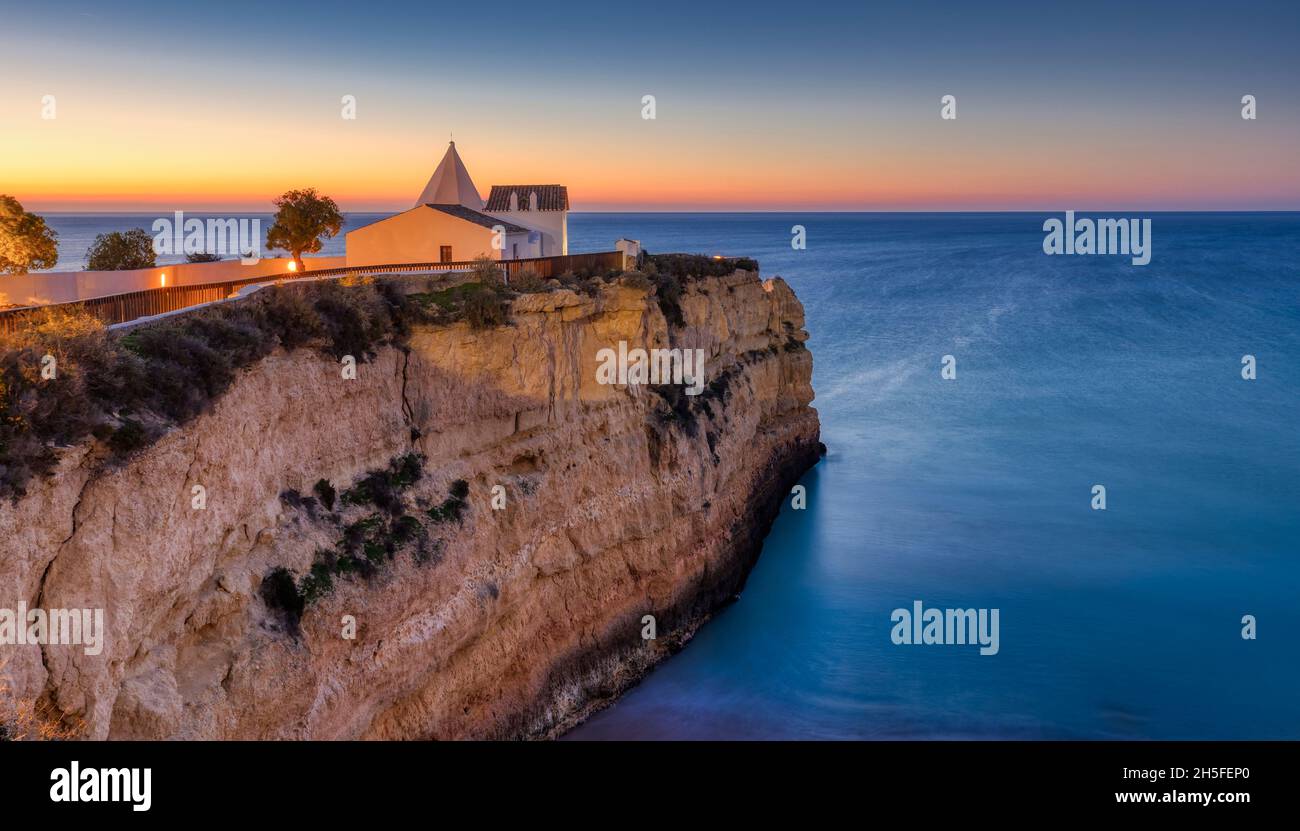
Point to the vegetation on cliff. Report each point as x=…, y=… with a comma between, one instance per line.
x=64, y=378
x=24, y=718
x=374, y=524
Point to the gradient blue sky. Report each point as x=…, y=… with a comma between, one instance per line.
x=760, y=105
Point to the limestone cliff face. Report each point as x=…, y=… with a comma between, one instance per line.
x=514, y=622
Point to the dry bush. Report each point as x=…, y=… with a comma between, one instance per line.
x=527, y=281
x=485, y=309
x=24, y=719
x=127, y=389
x=487, y=272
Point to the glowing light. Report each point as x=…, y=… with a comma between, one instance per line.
x=293, y=266
x=163, y=277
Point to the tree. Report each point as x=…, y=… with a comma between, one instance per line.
x=26, y=242
x=202, y=257
x=302, y=217
x=120, y=250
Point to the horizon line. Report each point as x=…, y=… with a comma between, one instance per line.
x=725, y=211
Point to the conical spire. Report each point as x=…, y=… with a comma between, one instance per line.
x=450, y=184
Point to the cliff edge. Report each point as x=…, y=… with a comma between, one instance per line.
x=463, y=541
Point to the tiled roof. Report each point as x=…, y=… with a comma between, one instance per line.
x=549, y=197
x=471, y=215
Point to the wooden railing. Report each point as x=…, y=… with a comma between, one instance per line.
x=543, y=267
x=120, y=308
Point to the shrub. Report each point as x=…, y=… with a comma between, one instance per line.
x=165, y=373
x=356, y=322
x=202, y=257
x=383, y=488
x=585, y=283
x=326, y=493
x=375, y=489
x=357, y=533
x=319, y=580
x=487, y=272
x=364, y=545
x=280, y=593
x=485, y=310
x=405, y=529
x=119, y=250
x=405, y=471
x=129, y=437
x=695, y=266
x=528, y=282
x=35, y=719
x=636, y=280
x=39, y=413
x=453, y=507
x=129, y=388
x=483, y=304
x=288, y=314
x=375, y=551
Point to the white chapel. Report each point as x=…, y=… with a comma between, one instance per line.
x=450, y=222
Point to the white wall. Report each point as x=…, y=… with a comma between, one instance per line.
x=68, y=286
x=554, y=226
x=519, y=248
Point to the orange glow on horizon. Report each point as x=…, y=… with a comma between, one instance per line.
x=107, y=162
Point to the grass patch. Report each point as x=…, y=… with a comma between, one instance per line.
x=482, y=305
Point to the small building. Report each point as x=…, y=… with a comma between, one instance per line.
x=543, y=208
x=451, y=223
x=631, y=250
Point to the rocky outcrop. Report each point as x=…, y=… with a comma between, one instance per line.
x=589, y=506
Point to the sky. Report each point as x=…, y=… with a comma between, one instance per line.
x=758, y=106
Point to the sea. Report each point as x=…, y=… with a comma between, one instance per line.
x=979, y=490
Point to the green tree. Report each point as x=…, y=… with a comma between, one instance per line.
x=26, y=242
x=302, y=217
x=202, y=257
x=120, y=250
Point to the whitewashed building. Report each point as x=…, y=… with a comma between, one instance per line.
x=542, y=208
x=451, y=223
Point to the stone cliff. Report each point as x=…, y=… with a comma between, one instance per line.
x=498, y=582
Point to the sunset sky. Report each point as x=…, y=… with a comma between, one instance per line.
x=760, y=106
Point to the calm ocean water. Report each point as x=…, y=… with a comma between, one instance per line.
x=1072, y=371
